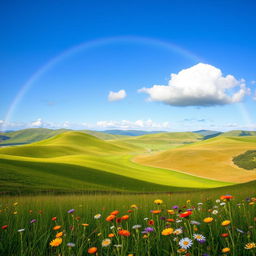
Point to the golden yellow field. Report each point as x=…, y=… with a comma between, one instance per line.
x=211, y=159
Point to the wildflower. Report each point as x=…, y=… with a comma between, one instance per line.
x=56, y=242
x=208, y=220
x=71, y=210
x=15, y=204
x=227, y=197
x=175, y=207
x=106, y=242
x=97, y=216
x=110, y=217
x=71, y=245
x=118, y=220
x=147, y=230
x=167, y=231
x=4, y=226
x=170, y=220
x=60, y=234
x=85, y=224
x=171, y=211
x=15, y=213
x=215, y=212
x=223, y=203
x=224, y=234
x=185, y=243
x=185, y=214
x=200, y=238
x=136, y=226
x=56, y=227
x=125, y=217
x=111, y=235
x=158, y=201
x=151, y=222
x=178, y=231
x=33, y=221
x=250, y=246
x=114, y=212
x=226, y=249
x=124, y=232
x=118, y=245
x=181, y=250
x=21, y=230
x=134, y=206
x=92, y=250
x=225, y=223
x=240, y=231
x=193, y=222
x=155, y=211
x=217, y=201
x=54, y=218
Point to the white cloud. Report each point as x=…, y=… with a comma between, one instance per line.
x=115, y=96
x=253, y=82
x=139, y=124
x=199, y=85
x=37, y=123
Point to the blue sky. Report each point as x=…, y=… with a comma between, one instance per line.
x=60, y=61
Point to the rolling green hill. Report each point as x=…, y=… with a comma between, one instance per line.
x=31, y=135
x=163, y=141
x=75, y=161
x=238, y=133
x=210, y=158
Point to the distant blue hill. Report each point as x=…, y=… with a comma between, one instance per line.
x=208, y=133
x=131, y=132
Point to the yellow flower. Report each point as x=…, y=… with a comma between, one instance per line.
x=251, y=203
x=134, y=206
x=16, y=203
x=208, y=220
x=60, y=234
x=167, y=231
x=145, y=236
x=15, y=213
x=171, y=211
x=85, y=224
x=224, y=250
x=56, y=242
x=158, y=201
x=250, y=246
x=106, y=242
x=225, y=223
x=188, y=201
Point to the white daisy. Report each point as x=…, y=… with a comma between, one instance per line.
x=215, y=212
x=199, y=237
x=185, y=243
x=178, y=231
x=97, y=216
x=106, y=242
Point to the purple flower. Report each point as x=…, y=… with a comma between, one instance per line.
x=175, y=207
x=33, y=221
x=162, y=218
x=147, y=230
x=71, y=210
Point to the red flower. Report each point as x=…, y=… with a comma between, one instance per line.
x=185, y=214
x=228, y=197
x=151, y=222
x=124, y=232
x=224, y=234
x=5, y=227
x=114, y=212
x=54, y=218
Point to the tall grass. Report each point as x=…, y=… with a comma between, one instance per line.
x=34, y=214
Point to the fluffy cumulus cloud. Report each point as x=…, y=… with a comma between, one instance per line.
x=115, y=96
x=139, y=124
x=199, y=85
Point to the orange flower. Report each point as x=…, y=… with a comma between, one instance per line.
x=110, y=217
x=111, y=235
x=92, y=250
x=208, y=220
x=170, y=220
x=167, y=231
x=125, y=217
x=156, y=211
x=56, y=227
x=114, y=212
x=225, y=223
x=228, y=197
x=151, y=222
x=85, y=224
x=124, y=232
x=60, y=234
x=171, y=211
x=56, y=242
x=129, y=211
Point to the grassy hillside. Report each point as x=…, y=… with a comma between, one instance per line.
x=163, y=141
x=78, y=161
x=238, y=133
x=246, y=160
x=130, y=132
x=28, y=135
x=210, y=158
